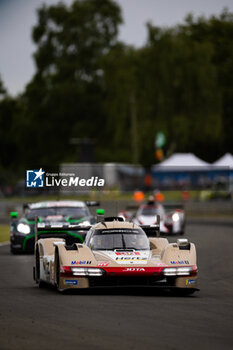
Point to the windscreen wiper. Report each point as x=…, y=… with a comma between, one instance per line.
x=123, y=242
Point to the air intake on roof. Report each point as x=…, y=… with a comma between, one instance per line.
x=112, y=218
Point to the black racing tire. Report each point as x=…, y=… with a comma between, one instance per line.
x=57, y=269
x=57, y=272
x=37, y=270
x=188, y=292
x=42, y=284
x=14, y=250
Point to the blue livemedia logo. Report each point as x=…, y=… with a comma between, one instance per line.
x=35, y=178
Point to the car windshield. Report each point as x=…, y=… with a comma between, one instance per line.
x=151, y=211
x=73, y=213
x=110, y=239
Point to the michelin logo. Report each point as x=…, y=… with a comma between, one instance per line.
x=35, y=178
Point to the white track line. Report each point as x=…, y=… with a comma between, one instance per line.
x=4, y=243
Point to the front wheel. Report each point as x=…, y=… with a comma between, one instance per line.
x=37, y=269
x=14, y=250
x=57, y=270
x=42, y=284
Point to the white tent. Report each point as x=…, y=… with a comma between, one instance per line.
x=226, y=160
x=182, y=160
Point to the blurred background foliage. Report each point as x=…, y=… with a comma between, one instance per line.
x=87, y=84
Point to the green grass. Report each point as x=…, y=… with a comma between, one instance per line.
x=4, y=233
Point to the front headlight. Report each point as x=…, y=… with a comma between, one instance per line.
x=175, y=217
x=83, y=271
x=178, y=271
x=23, y=228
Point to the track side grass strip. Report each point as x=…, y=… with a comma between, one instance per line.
x=4, y=233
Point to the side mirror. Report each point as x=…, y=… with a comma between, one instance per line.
x=14, y=214
x=100, y=215
x=100, y=211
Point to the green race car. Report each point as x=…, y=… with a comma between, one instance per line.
x=22, y=230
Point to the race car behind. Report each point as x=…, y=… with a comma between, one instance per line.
x=172, y=216
x=22, y=235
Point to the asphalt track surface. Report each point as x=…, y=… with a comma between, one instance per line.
x=33, y=318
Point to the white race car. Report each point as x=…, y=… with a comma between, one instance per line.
x=115, y=253
x=172, y=221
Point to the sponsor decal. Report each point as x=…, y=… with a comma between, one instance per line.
x=76, y=181
x=180, y=262
x=132, y=269
x=35, y=178
x=190, y=282
x=81, y=262
x=40, y=178
x=120, y=230
x=125, y=258
x=130, y=258
x=103, y=263
x=127, y=253
x=71, y=282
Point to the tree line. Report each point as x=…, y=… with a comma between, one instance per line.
x=90, y=86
